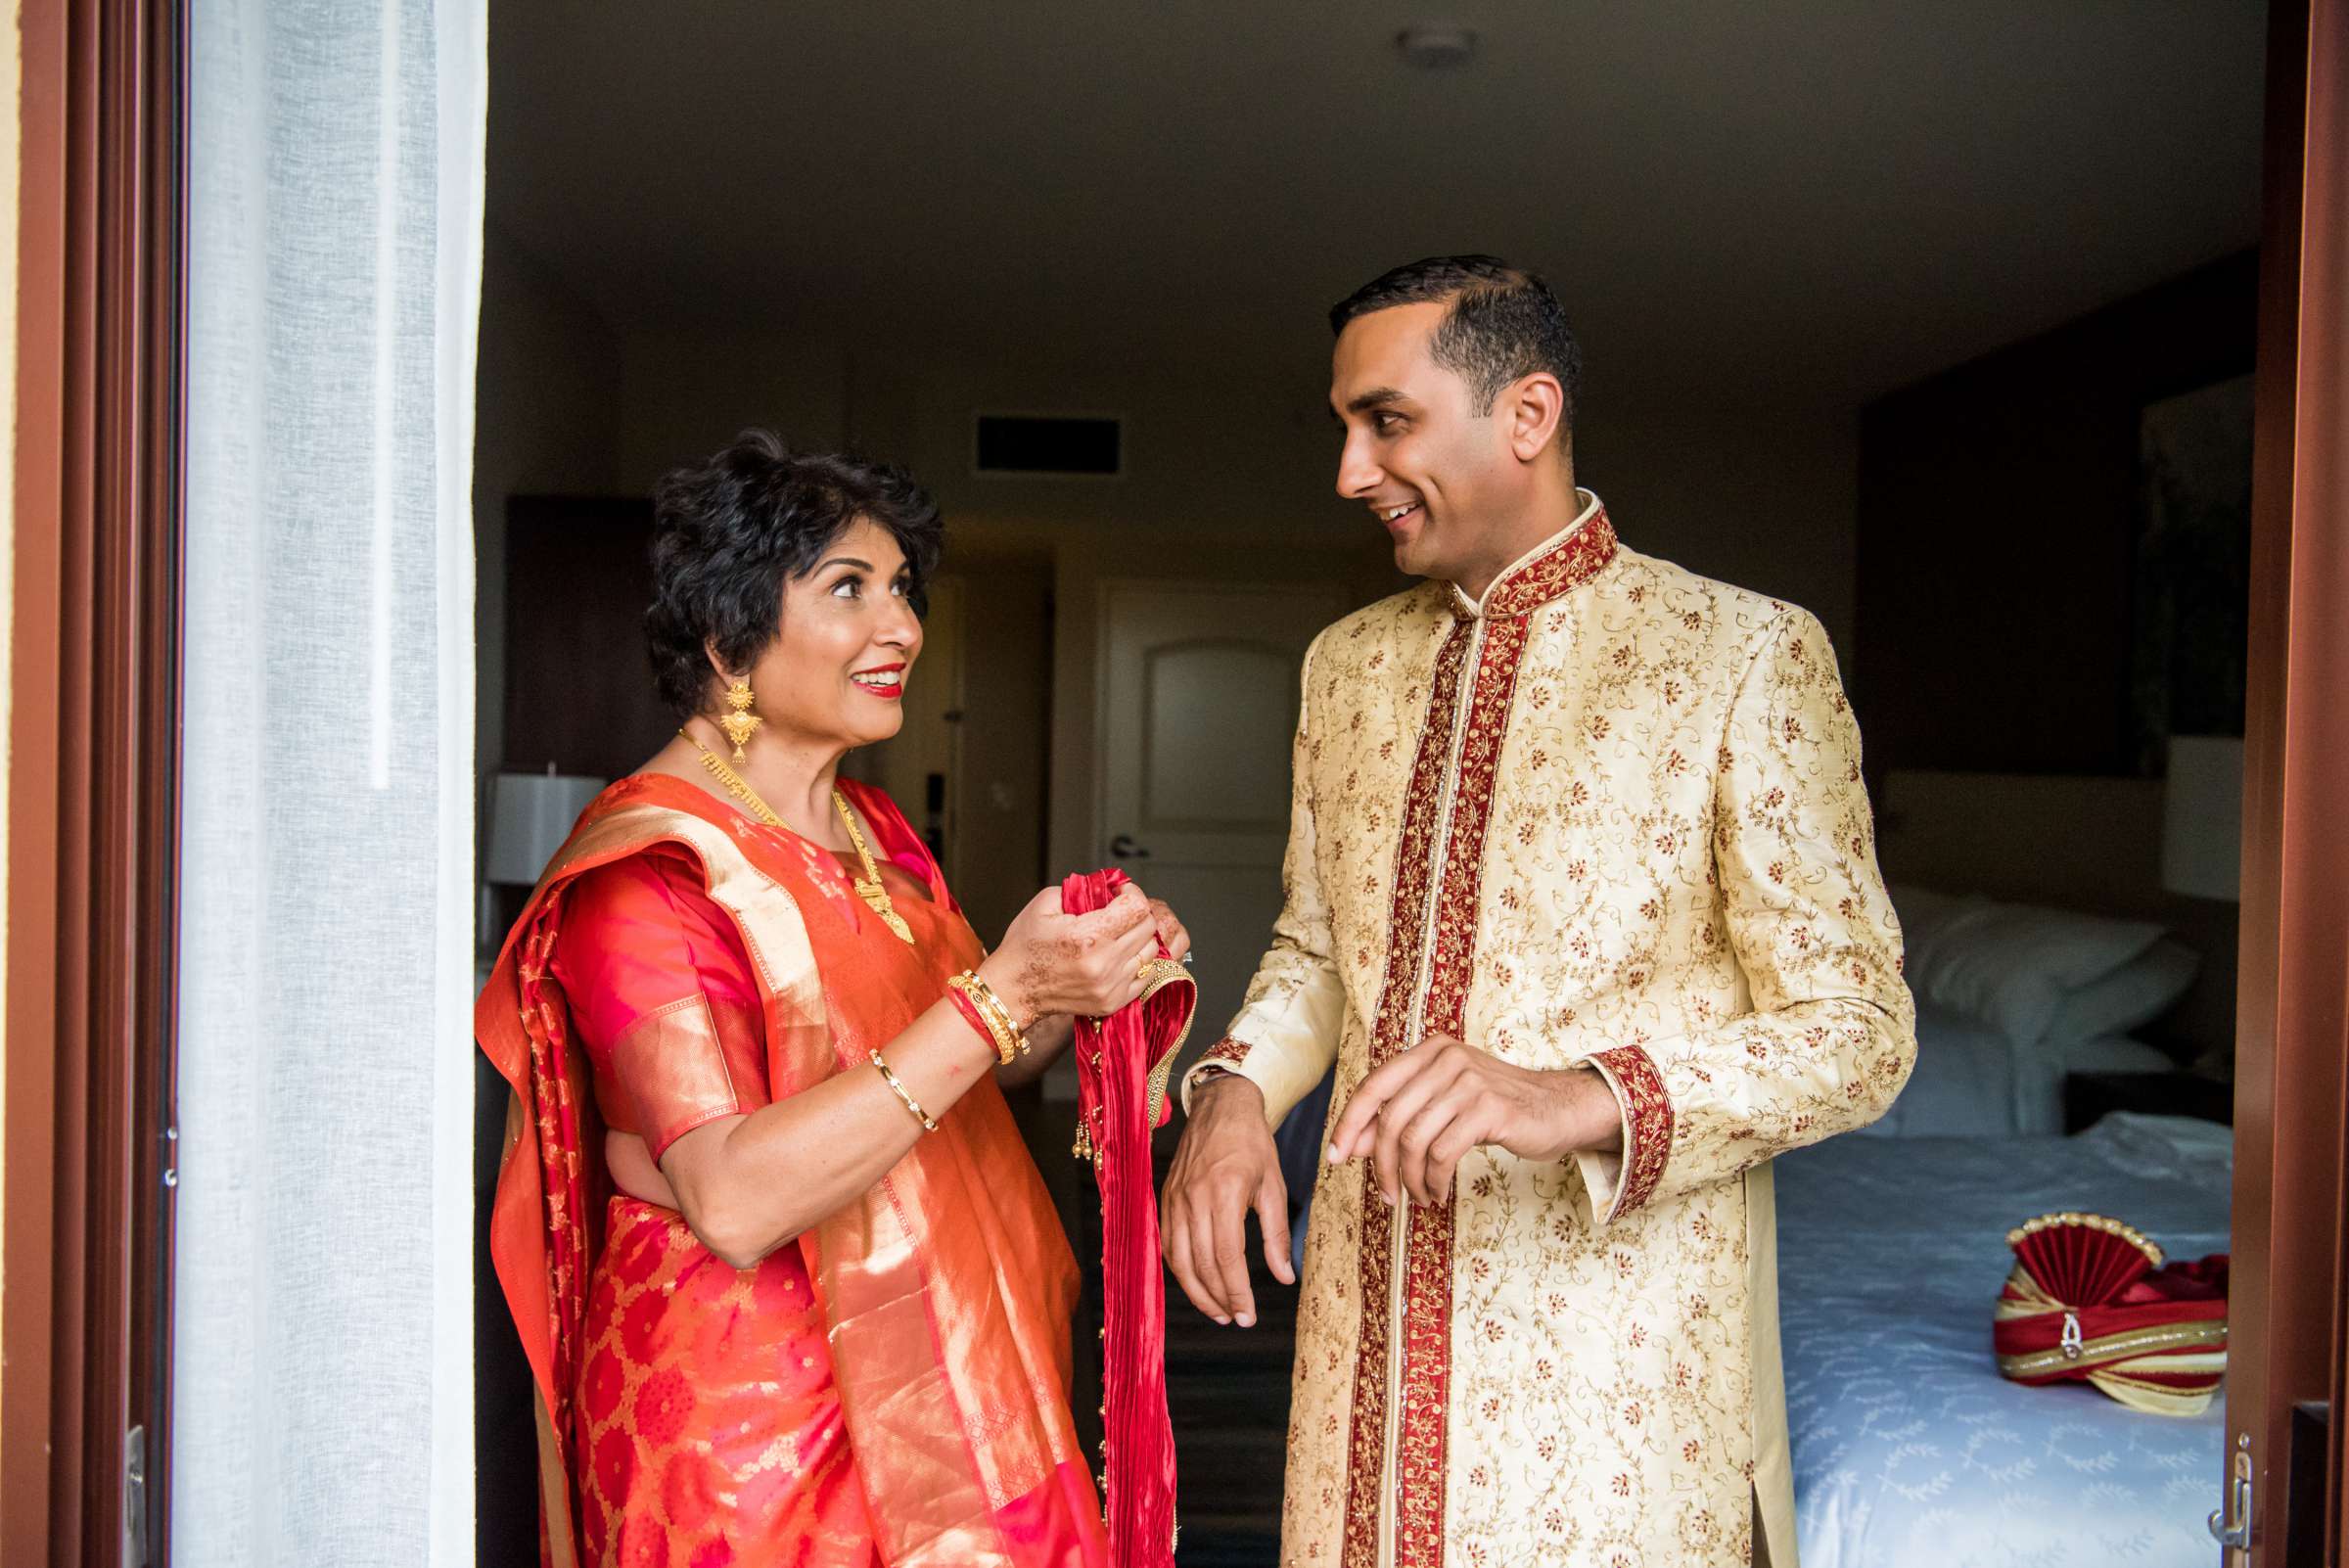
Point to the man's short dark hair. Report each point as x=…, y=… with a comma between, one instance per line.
x=728, y=533
x=1503, y=323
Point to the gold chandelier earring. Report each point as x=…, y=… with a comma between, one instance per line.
x=739, y=722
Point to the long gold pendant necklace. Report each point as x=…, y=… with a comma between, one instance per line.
x=869, y=887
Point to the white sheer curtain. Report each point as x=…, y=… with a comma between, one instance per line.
x=322, y=1331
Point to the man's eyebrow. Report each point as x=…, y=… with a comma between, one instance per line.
x=1375, y=397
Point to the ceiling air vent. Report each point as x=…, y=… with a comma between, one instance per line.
x=1049, y=446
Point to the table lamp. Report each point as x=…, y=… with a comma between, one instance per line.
x=530, y=814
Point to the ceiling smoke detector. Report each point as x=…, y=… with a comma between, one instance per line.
x=1437, y=45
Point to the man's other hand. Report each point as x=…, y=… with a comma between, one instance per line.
x=1417, y=1114
x=1224, y=1166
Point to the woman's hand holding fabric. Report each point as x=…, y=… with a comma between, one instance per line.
x=1091, y=965
x=1172, y=934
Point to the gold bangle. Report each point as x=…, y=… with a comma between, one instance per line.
x=966, y=985
x=994, y=1005
x=898, y=1089
x=989, y=998
x=990, y=1008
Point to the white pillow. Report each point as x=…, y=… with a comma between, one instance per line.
x=2014, y=965
x=1964, y=1085
x=2132, y=997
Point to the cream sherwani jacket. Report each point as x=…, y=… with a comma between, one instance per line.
x=1612, y=816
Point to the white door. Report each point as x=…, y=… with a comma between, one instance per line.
x=1198, y=709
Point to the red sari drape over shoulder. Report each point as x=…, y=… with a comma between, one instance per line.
x=894, y=1386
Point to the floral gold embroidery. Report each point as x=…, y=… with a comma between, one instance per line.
x=1226, y=1049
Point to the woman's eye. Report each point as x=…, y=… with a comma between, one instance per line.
x=847, y=589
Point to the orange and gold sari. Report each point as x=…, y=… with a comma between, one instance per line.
x=892, y=1387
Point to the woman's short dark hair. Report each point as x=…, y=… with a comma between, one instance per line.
x=728, y=533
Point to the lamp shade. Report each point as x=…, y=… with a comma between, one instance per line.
x=2202, y=818
x=530, y=814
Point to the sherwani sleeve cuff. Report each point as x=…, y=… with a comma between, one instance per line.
x=1622, y=1182
x=1283, y=1071
x=1228, y=1056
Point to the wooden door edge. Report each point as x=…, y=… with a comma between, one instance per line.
x=2292, y=1099
x=94, y=724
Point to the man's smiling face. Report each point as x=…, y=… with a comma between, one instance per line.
x=1427, y=462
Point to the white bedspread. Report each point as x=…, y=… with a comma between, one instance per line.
x=1910, y=1449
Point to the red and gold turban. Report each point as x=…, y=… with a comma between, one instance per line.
x=2091, y=1301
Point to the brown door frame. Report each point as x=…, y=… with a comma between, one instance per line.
x=2292, y=1120
x=94, y=768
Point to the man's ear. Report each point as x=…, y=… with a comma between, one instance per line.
x=1535, y=407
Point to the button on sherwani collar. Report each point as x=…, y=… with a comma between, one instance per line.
x=1551, y=569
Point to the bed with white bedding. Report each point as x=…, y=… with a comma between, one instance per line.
x=2013, y=999
x=1973, y=1081
x=1910, y=1450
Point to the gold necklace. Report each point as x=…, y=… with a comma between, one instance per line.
x=869, y=887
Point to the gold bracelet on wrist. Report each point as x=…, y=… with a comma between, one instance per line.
x=1008, y=1034
x=993, y=1000
x=994, y=1005
x=898, y=1089
x=966, y=986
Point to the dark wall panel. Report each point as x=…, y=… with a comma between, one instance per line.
x=1999, y=517
x=578, y=685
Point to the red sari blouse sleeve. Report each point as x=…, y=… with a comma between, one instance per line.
x=660, y=997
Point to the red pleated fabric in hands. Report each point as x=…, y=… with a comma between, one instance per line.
x=1122, y=1067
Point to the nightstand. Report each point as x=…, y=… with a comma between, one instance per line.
x=2088, y=1098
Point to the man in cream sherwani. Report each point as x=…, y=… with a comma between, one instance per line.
x=1583, y=902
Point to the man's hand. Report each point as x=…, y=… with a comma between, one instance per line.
x=1224, y=1166
x=1416, y=1116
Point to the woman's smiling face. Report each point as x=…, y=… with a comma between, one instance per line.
x=845, y=644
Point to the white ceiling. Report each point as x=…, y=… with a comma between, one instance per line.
x=1802, y=199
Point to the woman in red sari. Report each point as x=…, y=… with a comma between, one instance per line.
x=790, y=1285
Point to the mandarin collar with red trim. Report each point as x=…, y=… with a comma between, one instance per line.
x=1550, y=569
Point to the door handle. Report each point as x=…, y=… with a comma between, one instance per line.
x=2230, y=1526
x=1123, y=848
